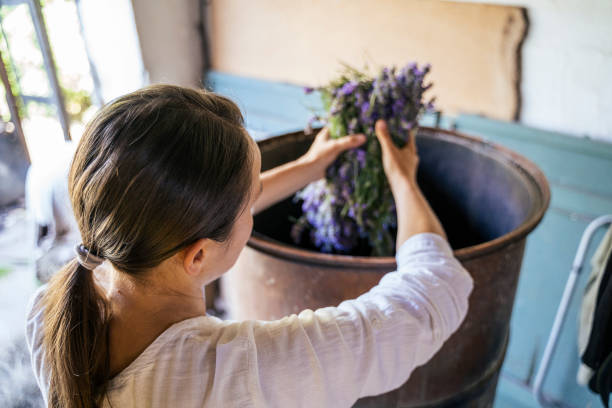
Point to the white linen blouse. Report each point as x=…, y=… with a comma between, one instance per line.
x=324, y=358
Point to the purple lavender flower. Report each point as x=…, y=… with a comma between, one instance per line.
x=352, y=125
x=360, y=98
x=344, y=170
x=308, y=128
x=354, y=201
x=365, y=112
x=347, y=229
x=365, y=107
x=398, y=106
x=361, y=157
x=406, y=125
x=308, y=89
x=348, y=88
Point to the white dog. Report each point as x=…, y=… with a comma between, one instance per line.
x=49, y=207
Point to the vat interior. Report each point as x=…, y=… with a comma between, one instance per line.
x=477, y=196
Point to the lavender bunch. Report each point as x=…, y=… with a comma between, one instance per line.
x=354, y=201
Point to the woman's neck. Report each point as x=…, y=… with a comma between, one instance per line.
x=142, y=310
x=161, y=293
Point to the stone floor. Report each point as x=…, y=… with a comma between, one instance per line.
x=17, y=283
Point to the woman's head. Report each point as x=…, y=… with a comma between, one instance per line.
x=159, y=172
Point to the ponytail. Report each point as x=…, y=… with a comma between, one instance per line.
x=154, y=171
x=76, y=342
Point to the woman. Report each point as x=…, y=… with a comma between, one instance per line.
x=164, y=184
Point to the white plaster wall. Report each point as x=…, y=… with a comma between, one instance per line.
x=567, y=66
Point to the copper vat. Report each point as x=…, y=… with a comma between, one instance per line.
x=488, y=198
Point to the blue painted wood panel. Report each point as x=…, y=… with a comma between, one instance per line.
x=578, y=163
x=272, y=108
x=580, y=175
x=269, y=108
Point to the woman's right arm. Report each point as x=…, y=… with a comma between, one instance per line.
x=366, y=346
x=332, y=356
x=414, y=215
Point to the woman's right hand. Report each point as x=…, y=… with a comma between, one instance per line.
x=400, y=164
x=414, y=215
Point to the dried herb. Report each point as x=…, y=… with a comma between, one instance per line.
x=354, y=202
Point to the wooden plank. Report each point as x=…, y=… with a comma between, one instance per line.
x=474, y=48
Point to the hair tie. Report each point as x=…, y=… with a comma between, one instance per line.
x=86, y=258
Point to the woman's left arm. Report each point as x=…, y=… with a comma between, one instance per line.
x=282, y=181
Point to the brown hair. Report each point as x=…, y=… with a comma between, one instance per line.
x=155, y=171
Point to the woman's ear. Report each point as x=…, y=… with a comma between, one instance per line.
x=193, y=262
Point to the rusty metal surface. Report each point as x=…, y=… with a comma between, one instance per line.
x=465, y=180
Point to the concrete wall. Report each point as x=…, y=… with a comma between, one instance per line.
x=567, y=66
x=170, y=40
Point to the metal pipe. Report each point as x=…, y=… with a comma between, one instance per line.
x=562, y=310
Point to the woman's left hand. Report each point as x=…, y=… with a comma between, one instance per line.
x=284, y=180
x=325, y=150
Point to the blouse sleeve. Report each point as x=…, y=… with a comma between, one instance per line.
x=365, y=346
x=34, y=334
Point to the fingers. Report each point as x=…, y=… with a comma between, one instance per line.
x=349, y=142
x=382, y=133
x=411, y=145
x=323, y=134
